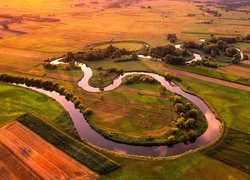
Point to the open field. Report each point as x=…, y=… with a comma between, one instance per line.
x=214, y=73
x=15, y=101
x=40, y=156
x=129, y=45
x=76, y=28
x=236, y=70
x=13, y=168
x=214, y=163
x=52, y=28
x=209, y=79
x=79, y=151
x=158, y=67
x=140, y=115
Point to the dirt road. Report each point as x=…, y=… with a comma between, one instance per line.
x=209, y=79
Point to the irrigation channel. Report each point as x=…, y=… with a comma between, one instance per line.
x=89, y=134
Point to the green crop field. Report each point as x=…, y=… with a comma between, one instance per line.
x=15, y=101
x=75, y=149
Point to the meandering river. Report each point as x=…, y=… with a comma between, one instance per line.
x=89, y=134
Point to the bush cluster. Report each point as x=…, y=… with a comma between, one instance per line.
x=171, y=77
x=95, y=55
x=139, y=78
x=47, y=65
x=187, y=114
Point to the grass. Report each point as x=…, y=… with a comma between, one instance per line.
x=128, y=45
x=15, y=101
x=70, y=146
x=140, y=115
x=212, y=73
x=99, y=25
x=244, y=65
x=214, y=163
x=152, y=66
x=234, y=150
x=110, y=63
x=226, y=101
x=128, y=23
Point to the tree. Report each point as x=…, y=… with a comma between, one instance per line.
x=247, y=37
x=190, y=45
x=192, y=134
x=162, y=90
x=69, y=57
x=177, y=60
x=193, y=113
x=179, y=107
x=180, y=122
x=134, y=57
x=222, y=45
x=5, y=25
x=162, y=51
x=171, y=36
x=88, y=111
x=231, y=51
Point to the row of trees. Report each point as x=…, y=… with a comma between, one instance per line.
x=171, y=77
x=170, y=54
x=94, y=55
x=230, y=40
x=136, y=78
x=172, y=38
x=47, y=85
x=215, y=47
x=206, y=62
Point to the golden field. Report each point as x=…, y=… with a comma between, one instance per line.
x=91, y=23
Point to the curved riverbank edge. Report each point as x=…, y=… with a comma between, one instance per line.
x=86, y=132
x=222, y=132
x=171, y=157
x=143, y=49
x=84, y=84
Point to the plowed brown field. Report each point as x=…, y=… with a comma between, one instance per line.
x=38, y=155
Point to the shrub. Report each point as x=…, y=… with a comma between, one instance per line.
x=88, y=111
x=175, y=130
x=179, y=107
x=162, y=90
x=170, y=77
x=172, y=59
x=177, y=99
x=192, y=134
x=49, y=66
x=132, y=79
x=180, y=122
x=170, y=138
x=193, y=113
x=189, y=122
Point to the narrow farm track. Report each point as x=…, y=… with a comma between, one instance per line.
x=239, y=68
x=40, y=156
x=209, y=79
